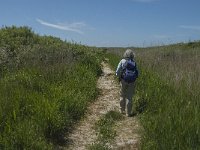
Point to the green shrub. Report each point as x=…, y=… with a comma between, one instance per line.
x=45, y=87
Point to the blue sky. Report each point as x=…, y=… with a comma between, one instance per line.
x=107, y=22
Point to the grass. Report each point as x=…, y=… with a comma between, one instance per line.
x=45, y=85
x=167, y=94
x=106, y=133
x=172, y=114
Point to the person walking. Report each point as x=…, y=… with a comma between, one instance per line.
x=127, y=74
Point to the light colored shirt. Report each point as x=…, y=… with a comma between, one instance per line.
x=120, y=67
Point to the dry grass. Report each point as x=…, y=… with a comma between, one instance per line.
x=169, y=88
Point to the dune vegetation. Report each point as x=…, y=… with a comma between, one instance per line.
x=45, y=85
x=167, y=95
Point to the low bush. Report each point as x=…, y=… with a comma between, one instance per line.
x=45, y=87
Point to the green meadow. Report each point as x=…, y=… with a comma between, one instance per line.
x=167, y=95
x=172, y=118
x=45, y=85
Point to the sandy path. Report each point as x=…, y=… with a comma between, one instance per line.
x=127, y=129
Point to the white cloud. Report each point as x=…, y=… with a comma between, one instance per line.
x=190, y=27
x=144, y=1
x=73, y=27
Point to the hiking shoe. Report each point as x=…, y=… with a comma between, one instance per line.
x=123, y=112
x=131, y=115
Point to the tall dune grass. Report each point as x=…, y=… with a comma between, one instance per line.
x=168, y=88
x=45, y=85
x=176, y=123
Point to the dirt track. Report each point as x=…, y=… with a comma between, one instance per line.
x=127, y=129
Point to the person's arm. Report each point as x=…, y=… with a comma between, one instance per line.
x=119, y=69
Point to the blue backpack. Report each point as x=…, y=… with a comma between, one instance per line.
x=130, y=72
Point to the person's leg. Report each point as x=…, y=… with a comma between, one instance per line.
x=123, y=96
x=130, y=92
